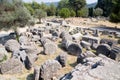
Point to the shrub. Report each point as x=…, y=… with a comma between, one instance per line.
x=64, y=13
x=83, y=12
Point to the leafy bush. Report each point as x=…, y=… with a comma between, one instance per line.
x=83, y=12
x=97, y=12
x=72, y=13
x=64, y=13
x=40, y=14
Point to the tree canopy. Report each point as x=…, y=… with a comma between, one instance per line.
x=64, y=13
x=77, y=5
x=13, y=13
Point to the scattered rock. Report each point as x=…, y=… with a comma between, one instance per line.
x=36, y=73
x=49, y=70
x=12, y=66
x=62, y=59
x=115, y=53
x=12, y=45
x=103, y=49
x=97, y=68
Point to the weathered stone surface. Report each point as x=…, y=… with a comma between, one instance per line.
x=35, y=38
x=85, y=45
x=87, y=54
x=94, y=46
x=31, y=48
x=12, y=45
x=29, y=61
x=77, y=36
x=36, y=73
x=65, y=36
x=91, y=39
x=98, y=68
x=72, y=48
x=103, y=49
x=62, y=59
x=49, y=70
x=12, y=66
x=23, y=40
x=3, y=53
x=21, y=55
x=110, y=42
x=49, y=46
x=115, y=53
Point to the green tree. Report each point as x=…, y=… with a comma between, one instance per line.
x=63, y=4
x=51, y=11
x=40, y=14
x=115, y=15
x=77, y=5
x=43, y=6
x=97, y=12
x=35, y=5
x=72, y=13
x=13, y=14
x=64, y=13
x=29, y=7
x=106, y=6
x=83, y=12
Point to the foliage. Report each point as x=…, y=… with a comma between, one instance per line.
x=77, y=5
x=91, y=12
x=115, y=15
x=64, y=13
x=97, y=12
x=83, y=12
x=63, y=4
x=43, y=6
x=13, y=13
x=29, y=7
x=72, y=13
x=40, y=14
x=51, y=11
x=106, y=6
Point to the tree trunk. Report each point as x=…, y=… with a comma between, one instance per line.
x=76, y=11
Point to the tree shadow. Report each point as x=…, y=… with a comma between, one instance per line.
x=30, y=77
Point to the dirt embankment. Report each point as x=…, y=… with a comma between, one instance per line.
x=92, y=22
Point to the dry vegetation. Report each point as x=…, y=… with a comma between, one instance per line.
x=86, y=22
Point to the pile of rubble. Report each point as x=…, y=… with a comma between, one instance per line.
x=103, y=64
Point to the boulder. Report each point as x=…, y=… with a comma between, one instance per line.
x=87, y=54
x=36, y=73
x=12, y=45
x=62, y=59
x=21, y=55
x=94, y=46
x=97, y=68
x=49, y=70
x=3, y=53
x=115, y=53
x=48, y=46
x=35, y=38
x=31, y=48
x=103, y=49
x=85, y=45
x=72, y=48
x=29, y=60
x=77, y=36
x=23, y=40
x=12, y=66
x=65, y=36
x=110, y=42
